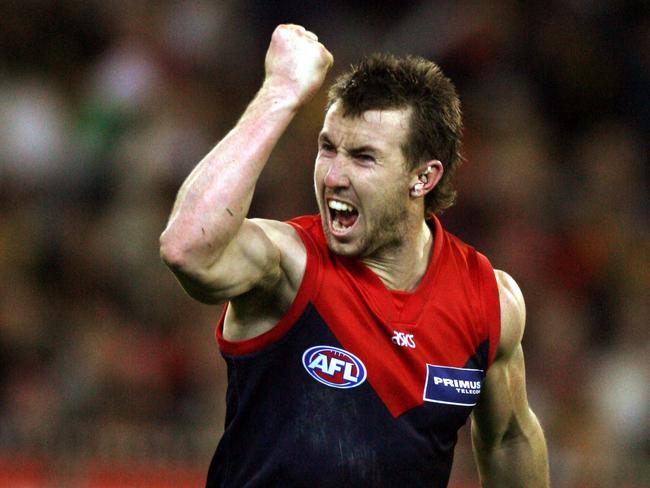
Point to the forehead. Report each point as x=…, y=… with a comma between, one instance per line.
x=382, y=128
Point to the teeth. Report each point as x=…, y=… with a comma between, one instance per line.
x=340, y=206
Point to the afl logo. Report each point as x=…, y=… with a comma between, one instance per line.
x=334, y=367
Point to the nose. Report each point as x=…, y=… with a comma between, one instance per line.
x=336, y=174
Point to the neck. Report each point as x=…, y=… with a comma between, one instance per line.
x=402, y=266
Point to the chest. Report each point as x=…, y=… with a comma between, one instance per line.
x=424, y=347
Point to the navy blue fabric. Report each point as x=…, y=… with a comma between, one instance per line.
x=284, y=428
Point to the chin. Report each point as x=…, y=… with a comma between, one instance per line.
x=349, y=248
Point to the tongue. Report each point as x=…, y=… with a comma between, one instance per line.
x=346, y=218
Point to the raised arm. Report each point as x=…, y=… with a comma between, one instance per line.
x=216, y=252
x=507, y=438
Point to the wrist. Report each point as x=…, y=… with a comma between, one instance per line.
x=280, y=96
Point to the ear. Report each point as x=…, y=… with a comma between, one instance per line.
x=425, y=177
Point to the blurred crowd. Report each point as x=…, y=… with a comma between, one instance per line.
x=106, y=106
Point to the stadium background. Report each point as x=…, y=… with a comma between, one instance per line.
x=109, y=375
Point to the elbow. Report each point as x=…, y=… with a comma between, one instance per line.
x=177, y=253
x=187, y=258
x=172, y=253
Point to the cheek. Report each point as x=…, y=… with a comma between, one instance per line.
x=389, y=198
x=319, y=172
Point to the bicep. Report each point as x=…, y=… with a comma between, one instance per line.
x=252, y=259
x=507, y=439
x=503, y=409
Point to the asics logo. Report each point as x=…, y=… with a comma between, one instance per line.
x=403, y=340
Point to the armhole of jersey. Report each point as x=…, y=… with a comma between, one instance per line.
x=489, y=292
x=303, y=296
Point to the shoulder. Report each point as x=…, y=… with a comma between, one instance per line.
x=292, y=232
x=281, y=233
x=293, y=254
x=261, y=308
x=513, y=313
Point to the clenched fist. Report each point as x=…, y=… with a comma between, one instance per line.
x=296, y=63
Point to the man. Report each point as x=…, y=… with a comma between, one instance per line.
x=360, y=340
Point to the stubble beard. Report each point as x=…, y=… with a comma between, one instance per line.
x=388, y=233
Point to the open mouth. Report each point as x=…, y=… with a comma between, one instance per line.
x=343, y=216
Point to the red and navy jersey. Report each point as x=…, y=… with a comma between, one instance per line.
x=358, y=385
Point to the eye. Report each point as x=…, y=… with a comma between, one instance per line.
x=365, y=158
x=327, y=148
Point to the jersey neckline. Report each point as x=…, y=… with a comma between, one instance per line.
x=381, y=298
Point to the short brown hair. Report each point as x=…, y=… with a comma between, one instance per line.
x=384, y=81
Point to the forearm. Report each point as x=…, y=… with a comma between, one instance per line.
x=516, y=460
x=214, y=199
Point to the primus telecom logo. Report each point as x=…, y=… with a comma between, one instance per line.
x=453, y=386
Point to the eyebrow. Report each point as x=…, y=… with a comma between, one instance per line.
x=323, y=137
x=362, y=149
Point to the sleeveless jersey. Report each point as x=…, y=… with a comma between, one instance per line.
x=358, y=385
